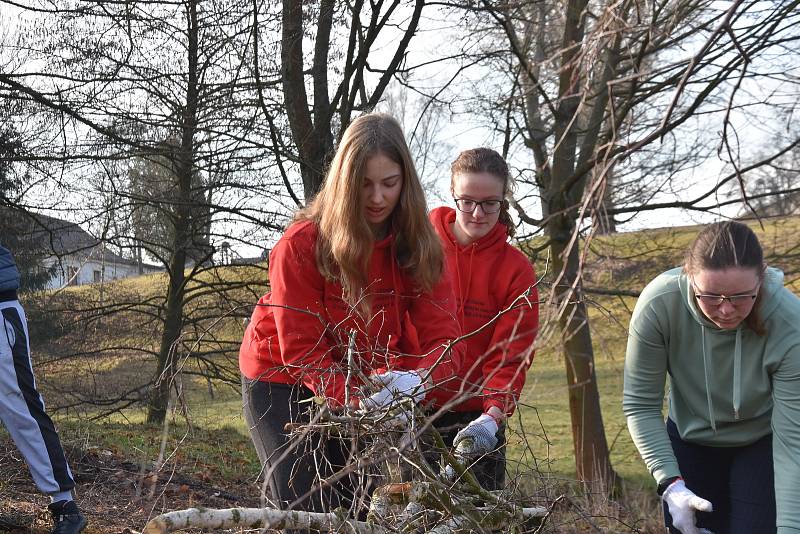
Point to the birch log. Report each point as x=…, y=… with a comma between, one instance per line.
x=207, y=518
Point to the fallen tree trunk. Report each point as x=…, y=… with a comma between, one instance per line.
x=207, y=518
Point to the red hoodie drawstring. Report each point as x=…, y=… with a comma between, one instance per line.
x=469, y=279
x=460, y=291
x=464, y=292
x=395, y=297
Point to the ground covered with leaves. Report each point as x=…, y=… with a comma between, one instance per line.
x=116, y=494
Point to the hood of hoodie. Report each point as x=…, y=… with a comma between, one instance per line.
x=461, y=257
x=768, y=303
x=443, y=220
x=770, y=289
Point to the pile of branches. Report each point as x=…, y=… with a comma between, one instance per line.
x=403, y=491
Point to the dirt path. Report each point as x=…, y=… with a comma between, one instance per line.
x=113, y=492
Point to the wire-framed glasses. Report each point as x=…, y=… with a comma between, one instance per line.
x=467, y=205
x=740, y=299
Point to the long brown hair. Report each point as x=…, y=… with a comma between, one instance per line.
x=727, y=244
x=345, y=244
x=486, y=160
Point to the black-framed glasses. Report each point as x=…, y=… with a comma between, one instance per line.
x=716, y=300
x=468, y=205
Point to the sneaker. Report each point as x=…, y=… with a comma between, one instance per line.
x=67, y=519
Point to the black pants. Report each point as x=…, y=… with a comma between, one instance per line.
x=489, y=469
x=295, y=467
x=739, y=482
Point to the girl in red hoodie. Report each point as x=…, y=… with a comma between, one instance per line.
x=359, y=258
x=497, y=305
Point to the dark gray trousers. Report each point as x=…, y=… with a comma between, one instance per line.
x=738, y=481
x=294, y=468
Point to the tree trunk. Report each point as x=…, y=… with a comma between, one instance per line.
x=173, y=323
x=592, y=461
x=605, y=221
x=310, y=147
x=183, y=235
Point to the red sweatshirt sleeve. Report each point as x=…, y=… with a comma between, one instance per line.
x=297, y=304
x=511, y=347
x=433, y=316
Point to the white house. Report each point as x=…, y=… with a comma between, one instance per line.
x=92, y=266
x=77, y=258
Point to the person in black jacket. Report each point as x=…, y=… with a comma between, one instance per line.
x=22, y=409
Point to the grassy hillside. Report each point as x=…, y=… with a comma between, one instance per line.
x=82, y=353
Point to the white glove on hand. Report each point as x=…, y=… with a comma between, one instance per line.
x=683, y=503
x=395, y=385
x=478, y=437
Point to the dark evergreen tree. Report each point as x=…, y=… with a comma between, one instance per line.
x=17, y=228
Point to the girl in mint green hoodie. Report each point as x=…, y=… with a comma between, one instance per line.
x=727, y=333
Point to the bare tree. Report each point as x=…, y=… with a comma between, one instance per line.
x=115, y=81
x=342, y=71
x=773, y=189
x=186, y=88
x=595, y=89
x=424, y=120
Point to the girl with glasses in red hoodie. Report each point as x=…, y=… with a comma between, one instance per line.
x=358, y=259
x=497, y=307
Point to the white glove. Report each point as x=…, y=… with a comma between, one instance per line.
x=395, y=385
x=478, y=437
x=683, y=503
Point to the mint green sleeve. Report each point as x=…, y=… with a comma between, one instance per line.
x=643, y=392
x=786, y=441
